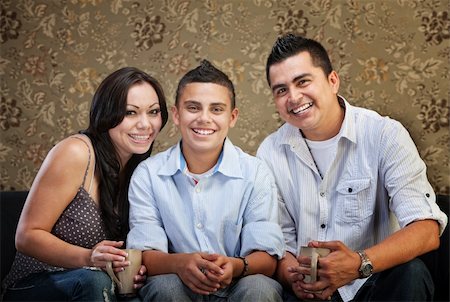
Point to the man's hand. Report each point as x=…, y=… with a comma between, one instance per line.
x=335, y=270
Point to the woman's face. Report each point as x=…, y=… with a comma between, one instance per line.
x=141, y=124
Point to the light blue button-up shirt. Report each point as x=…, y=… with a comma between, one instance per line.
x=376, y=184
x=231, y=212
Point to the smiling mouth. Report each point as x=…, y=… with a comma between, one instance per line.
x=203, y=131
x=141, y=138
x=302, y=108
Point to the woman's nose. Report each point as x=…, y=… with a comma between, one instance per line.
x=143, y=122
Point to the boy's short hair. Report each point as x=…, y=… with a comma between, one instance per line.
x=290, y=45
x=206, y=73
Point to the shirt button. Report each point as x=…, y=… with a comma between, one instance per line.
x=322, y=225
x=350, y=190
x=199, y=225
x=197, y=189
x=322, y=194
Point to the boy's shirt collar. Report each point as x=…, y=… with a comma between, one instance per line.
x=227, y=164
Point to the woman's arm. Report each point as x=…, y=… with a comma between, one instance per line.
x=54, y=187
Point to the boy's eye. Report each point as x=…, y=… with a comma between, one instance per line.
x=217, y=109
x=192, y=108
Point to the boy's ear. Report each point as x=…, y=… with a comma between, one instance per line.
x=234, y=117
x=175, y=115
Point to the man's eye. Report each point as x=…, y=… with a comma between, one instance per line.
x=280, y=91
x=302, y=82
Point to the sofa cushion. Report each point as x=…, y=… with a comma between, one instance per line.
x=11, y=204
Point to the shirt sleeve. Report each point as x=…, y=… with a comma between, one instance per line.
x=285, y=219
x=288, y=228
x=411, y=196
x=146, y=230
x=261, y=230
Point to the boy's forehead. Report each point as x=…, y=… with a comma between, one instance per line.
x=205, y=93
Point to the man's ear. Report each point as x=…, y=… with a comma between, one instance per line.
x=234, y=117
x=175, y=115
x=333, y=79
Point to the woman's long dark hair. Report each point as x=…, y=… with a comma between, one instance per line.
x=108, y=109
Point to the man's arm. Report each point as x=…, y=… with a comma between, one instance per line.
x=404, y=245
x=341, y=266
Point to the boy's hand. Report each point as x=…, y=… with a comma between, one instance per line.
x=139, y=279
x=226, y=265
x=194, y=271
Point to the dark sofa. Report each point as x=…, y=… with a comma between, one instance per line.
x=11, y=204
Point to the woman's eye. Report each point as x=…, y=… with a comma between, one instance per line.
x=130, y=112
x=155, y=111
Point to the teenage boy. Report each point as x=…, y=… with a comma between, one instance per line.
x=349, y=180
x=204, y=212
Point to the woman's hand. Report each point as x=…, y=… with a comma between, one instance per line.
x=106, y=251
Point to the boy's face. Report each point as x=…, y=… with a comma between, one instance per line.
x=204, y=115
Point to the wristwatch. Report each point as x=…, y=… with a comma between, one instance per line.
x=366, y=268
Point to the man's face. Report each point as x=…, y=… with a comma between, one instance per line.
x=204, y=115
x=304, y=96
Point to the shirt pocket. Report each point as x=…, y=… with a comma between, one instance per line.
x=353, y=202
x=231, y=235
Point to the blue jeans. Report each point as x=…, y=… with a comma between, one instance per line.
x=70, y=285
x=169, y=287
x=410, y=281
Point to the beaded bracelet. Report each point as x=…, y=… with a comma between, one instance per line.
x=245, y=270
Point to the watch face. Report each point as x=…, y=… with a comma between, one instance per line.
x=367, y=270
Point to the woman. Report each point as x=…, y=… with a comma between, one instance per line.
x=75, y=218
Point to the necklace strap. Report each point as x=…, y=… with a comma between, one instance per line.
x=312, y=156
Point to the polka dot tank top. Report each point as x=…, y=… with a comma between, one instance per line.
x=79, y=224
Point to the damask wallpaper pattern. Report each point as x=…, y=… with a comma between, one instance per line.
x=392, y=56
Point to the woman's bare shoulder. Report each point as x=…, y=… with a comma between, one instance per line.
x=73, y=151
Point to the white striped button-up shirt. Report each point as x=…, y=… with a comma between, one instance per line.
x=376, y=183
x=233, y=211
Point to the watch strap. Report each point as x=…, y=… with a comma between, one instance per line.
x=365, y=263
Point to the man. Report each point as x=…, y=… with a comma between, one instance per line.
x=349, y=180
x=204, y=212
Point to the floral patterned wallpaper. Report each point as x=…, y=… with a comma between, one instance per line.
x=392, y=56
